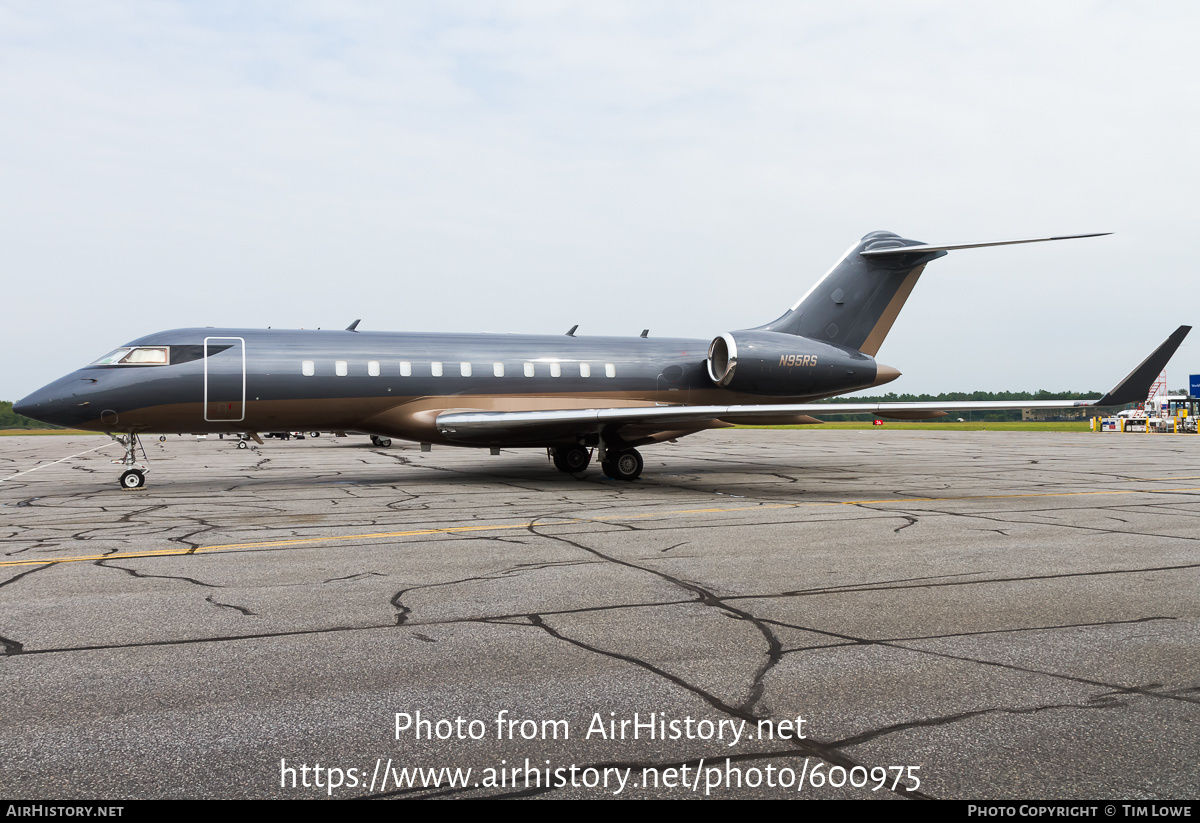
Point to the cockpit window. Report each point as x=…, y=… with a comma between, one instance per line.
x=147, y=356
x=136, y=356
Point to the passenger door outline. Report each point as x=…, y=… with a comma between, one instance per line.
x=235, y=406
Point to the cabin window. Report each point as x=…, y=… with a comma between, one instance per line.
x=340, y=368
x=373, y=368
x=585, y=369
x=436, y=368
x=555, y=370
x=405, y=368
x=308, y=368
x=464, y=369
x=529, y=370
x=610, y=370
x=498, y=369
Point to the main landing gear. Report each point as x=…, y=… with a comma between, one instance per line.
x=623, y=465
x=571, y=459
x=381, y=442
x=134, y=476
x=619, y=464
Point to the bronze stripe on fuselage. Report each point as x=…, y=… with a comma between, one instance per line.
x=410, y=418
x=884, y=324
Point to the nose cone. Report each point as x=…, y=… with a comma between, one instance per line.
x=41, y=405
x=58, y=404
x=24, y=407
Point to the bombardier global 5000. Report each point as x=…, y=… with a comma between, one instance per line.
x=576, y=396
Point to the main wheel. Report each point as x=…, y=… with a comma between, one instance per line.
x=242, y=444
x=133, y=479
x=627, y=465
x=571, y=459
x=384, y=442
x=162, y=438
x=315, y=434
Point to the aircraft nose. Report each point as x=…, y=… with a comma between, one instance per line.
x=48, y=404
x=27, y=406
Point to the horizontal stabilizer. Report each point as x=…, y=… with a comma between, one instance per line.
x=1136, y=386
x=951, y=247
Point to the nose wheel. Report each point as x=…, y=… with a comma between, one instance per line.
x=133, y=479
x=134, y=476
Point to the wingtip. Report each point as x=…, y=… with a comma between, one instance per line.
x=1136, y=385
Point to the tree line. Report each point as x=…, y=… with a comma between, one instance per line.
x=949, y=397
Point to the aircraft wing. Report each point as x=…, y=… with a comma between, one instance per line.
x=550, y=424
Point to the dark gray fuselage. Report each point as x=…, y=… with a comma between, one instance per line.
x=386, y=383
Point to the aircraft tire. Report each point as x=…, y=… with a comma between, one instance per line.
x=627, y=465
x=315, y=434
x=384, y=442
x=162, y=438
x=133, y=479
x=571, y=459
x=242, y=444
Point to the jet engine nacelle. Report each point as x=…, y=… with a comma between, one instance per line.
x=786, y=365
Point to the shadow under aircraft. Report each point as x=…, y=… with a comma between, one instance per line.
x=576, y=396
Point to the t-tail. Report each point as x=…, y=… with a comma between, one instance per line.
x=855, y=304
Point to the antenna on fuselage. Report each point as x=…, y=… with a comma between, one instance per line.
x=354, y=326
x=571, y=333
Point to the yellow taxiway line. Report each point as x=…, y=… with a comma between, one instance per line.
x=505, y=526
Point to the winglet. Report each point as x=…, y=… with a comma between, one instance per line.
x=1136, y=386
x=354, y=326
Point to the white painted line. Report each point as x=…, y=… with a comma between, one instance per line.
x=44, y=465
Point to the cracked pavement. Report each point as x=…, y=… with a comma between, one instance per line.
x=1014, y=613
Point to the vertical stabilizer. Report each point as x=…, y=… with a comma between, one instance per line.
x=857, y=301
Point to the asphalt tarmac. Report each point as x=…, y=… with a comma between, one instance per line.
x=881, y=614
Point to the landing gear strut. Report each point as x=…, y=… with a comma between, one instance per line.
x=134, y=476
x=571, y=459
x=623, y=465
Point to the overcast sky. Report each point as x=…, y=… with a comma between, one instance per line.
x=688, y=167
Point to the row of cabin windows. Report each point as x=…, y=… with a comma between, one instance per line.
x=342, y=368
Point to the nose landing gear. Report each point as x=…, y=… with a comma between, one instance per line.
x=134, y=476
x=133, y=479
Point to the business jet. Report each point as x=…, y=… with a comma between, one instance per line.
x=575, y=396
